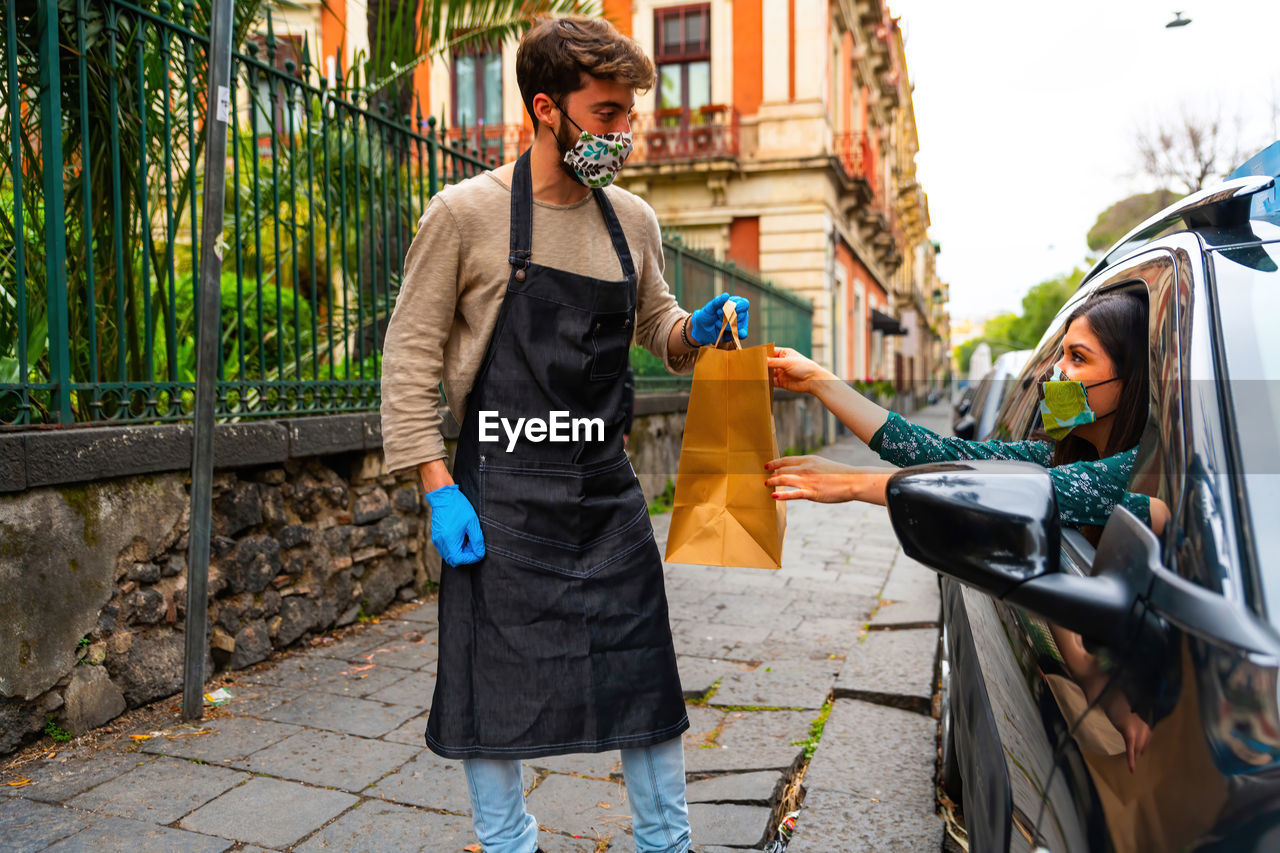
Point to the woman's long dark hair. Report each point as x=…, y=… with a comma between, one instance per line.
x=1119, y=321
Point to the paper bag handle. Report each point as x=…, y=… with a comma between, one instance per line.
x=730, y=323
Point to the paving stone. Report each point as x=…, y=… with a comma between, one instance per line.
x=413, y=732
x=907, y=580
x=230, y=739
x=363, y=637
x=431, y=781
x=330, y=759
x=583, y=807
x=697, y=675
x=119, y=835
x=786, y=645
x=270, y=812
x=414, y=649
x=428, y=611
x=708, y=640
x=342, y=714
x=29, y=826
x=595, y=765
x=550, y=842
x=753, y=611
x=256, y=700
x=892, y=667
x=376, y=827
x=328, y=675
x=753, y=740
x=729, y=825
x=57, y=779
x=779, y=684
x=414, y=690
x=925, y=609
x=875, y=751
x=160, y=791
x=830, y=820
x=704, y=724
x=744, y=788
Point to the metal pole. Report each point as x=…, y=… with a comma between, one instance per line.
x=55, y=219
x=207, y=334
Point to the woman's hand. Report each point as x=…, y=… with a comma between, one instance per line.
x=817, y=478
x=791, y=371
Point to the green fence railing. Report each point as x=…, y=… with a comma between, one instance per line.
x=696, y=276
x=101, y=183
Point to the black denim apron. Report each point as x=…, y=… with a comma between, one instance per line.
x=558, y=640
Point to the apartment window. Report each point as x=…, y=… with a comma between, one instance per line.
x=683, y=57
x=477, y=87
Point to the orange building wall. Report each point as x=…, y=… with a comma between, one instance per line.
x=748, y=59
x=618, y=13
x=744, y=242
x=333, y=31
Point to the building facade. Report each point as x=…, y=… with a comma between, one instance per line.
x=780, y=136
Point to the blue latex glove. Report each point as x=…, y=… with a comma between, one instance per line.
x=455, y=527
x=705, y=325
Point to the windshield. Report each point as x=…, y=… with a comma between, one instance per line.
x=1248, y=287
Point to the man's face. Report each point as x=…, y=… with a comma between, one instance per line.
x=599, y=107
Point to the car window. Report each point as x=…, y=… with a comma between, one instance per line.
x=1159, y=469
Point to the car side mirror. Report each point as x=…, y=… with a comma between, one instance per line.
x=962, y=408
x=965, y=427
x=990, y=525
x=994, y=526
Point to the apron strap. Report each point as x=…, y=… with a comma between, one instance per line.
x=521, y=212
x=615, y=234
x=522, y=220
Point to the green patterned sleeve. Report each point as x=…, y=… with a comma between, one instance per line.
x=1087, y=492
x=903, y=443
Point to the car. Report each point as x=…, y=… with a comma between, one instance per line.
x=979, y=417
x=1184, y=626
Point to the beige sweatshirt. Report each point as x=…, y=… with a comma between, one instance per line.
x=455, y=278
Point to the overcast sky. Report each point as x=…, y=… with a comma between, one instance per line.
x=1027, y=113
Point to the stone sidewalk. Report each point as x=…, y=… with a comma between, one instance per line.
x=321, y=748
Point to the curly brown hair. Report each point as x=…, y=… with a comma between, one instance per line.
x=556, y=52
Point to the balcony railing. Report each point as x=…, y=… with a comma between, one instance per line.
x=674, y=135
x=857, y=158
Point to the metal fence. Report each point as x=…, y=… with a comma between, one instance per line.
x=101, y=178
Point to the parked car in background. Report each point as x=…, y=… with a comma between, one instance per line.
x=1180, y=631
x=979, y=418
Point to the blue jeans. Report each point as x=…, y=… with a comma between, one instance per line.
x=655, y=789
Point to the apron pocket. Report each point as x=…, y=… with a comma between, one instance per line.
x=572, y=520
x=611, y=344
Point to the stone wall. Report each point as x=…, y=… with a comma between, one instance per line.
x=94, y=578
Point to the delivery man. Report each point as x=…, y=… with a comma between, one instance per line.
x=522, y=293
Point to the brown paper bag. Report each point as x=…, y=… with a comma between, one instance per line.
x=724, y=514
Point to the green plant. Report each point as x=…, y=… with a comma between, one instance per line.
x=810, y=743
x=663, y=502
x=56, y=732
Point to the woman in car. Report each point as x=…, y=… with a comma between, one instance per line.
x=1095, y=408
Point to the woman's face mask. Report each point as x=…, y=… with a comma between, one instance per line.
x=595, y=160
x=1066, y=404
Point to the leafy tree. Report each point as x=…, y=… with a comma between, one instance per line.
x=1118, y=219
x=1007, y=332
x=405, y=33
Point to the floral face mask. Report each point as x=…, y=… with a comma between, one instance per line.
x=595, y=160
x=1066, y=404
